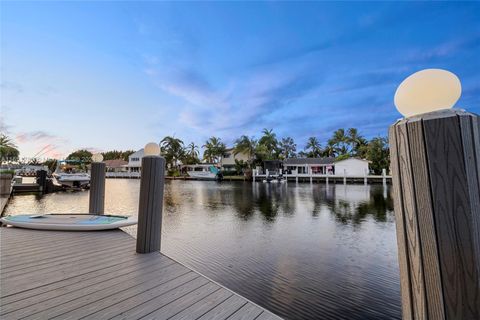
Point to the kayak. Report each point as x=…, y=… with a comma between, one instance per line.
x=69, y=222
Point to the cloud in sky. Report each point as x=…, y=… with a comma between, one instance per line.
x=150, y=69
x=43, y=144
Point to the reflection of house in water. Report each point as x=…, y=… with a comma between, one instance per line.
x=352, y=193
x=353, y=203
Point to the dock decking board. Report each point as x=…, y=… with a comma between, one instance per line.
x=98, y=275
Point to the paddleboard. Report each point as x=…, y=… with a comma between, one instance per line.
x=69, y=222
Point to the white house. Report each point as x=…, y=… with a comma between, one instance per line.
x=135, y=161
x=352, y=167
x=307, y=166
x=322, y=166
x=227, y=162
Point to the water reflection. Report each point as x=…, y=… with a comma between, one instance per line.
x=304, y=251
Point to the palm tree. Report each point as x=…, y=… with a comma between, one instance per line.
x=246, y=145
x=314, y=147
x=214, y=149
x=8, y=149
x=172, y=149
x=357, y=142
x=268, y=144
x=191, y=154
x=288, y=148
x=340, y=141
x=329, y=150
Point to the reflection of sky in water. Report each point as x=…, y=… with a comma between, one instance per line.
x=302, y=251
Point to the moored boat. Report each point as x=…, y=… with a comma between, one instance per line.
x=210, y=173
x=69, y=174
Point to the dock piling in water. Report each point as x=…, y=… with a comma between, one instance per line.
x=97, y=188
x=150, y=204
x=436, y=174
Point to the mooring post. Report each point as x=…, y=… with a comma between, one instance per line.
x=97, y=185
x=384, y=177
x=42, y=180
x=435, y=160
x=151, y=201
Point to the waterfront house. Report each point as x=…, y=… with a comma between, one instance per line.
x=227, y=162
x=135, y=161
x=307, y=166
x=117, y=165
x=354, y=167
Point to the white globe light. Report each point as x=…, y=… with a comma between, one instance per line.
x=97, y=157
x=426, y=91
x=152, y=149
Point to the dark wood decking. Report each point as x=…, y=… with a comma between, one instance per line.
x=98, y=275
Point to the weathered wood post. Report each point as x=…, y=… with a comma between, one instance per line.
x=97, y=185
x=151, y=200
x=42, y=180
x=435, y=160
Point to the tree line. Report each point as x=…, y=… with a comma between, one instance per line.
x=343, y=144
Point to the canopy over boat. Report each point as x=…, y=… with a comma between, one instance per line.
x=69, y=222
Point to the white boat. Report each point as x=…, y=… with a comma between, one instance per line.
x=73, y=180
x=69, y=222
x=70, y=176
x=274, y=179
x=210, y=173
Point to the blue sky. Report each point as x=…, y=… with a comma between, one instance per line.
x=116, y=75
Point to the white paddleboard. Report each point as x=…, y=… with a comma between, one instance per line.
x=69, y=222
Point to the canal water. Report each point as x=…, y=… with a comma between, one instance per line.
x=303, y=251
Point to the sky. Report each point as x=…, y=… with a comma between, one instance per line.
x=117, y=75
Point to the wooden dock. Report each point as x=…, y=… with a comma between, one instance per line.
x=98, y=275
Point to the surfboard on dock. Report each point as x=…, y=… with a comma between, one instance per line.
x=69, y=222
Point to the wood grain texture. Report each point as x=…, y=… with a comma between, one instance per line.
x=426, y=221
x=112, y=281
x=97, y=188
x=411, y=223
x=150, y=205
x=470, y=152
x=407, y=310
x=451, y=204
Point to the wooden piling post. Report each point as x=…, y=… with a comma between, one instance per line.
x=42, y=181
x=97, y=188
x=436, y=175
x=150, y=204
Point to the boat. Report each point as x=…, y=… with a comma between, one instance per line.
x=209, y=173
x=68, y=222
x=274, y=179
x=70, y=174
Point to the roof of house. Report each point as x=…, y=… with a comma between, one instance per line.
x=303, y=161
x=353, y=158
x=118, y=163
x=137, y=154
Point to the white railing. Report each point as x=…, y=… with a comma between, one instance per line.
x=129, y=175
